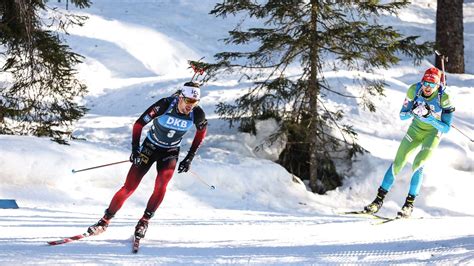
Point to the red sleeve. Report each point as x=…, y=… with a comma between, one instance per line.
x=198, y=138
x=136, y=133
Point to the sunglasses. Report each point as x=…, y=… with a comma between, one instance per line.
x=429, y=84
x=190, y=100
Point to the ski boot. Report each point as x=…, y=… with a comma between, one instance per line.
x=377, y=203
x=140, y=228
x=407, y=208
x=101, y=225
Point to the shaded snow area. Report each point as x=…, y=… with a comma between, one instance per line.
x=135, y=54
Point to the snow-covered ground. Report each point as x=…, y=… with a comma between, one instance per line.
x=136, y=54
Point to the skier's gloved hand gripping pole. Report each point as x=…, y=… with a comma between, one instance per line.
x=443, y=58
x=185, y=164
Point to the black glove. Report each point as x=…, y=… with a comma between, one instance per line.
x=135, y=157
x=185, y=164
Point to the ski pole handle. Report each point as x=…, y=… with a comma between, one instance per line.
x=99, y=166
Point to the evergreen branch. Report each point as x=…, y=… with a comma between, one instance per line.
x=339, y=93
x=332, y=119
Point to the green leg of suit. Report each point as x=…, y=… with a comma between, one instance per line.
x=415, y=137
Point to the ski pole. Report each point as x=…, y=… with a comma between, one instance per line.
x=99, y=166
x=453, y=126
x=443, y=57
x=200, y=179
x=472, y=140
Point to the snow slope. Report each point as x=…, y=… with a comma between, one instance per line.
x=135, y=54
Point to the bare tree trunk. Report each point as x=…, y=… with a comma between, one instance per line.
x=313, y=101
x=449, y=34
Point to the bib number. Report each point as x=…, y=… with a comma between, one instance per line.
x=171, y=133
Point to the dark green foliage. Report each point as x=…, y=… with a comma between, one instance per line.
x=312, y=35
x=41, y=95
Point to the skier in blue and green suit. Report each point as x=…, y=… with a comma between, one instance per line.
x=431, y=111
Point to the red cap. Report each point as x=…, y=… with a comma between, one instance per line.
x=432, y=75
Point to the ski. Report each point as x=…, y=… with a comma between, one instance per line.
x=136, y=244
x=391, y=220
x=398, y=217
x=68, y=239
x=367, y=214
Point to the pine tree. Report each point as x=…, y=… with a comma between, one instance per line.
x=316, y=36
x=40, y=93
x=450, y=34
